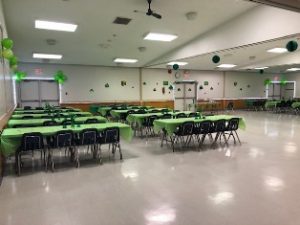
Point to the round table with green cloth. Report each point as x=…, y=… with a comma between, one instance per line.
x=139, y=118
x=11, y=137
x=33, y=111
x=296, y=105
x=20, y=116
x=271, y=104
x=170, y=125
x=39, y=122
x=117, y=113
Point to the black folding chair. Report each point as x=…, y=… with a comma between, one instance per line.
x=111, y=136
x=92, y=121
x=166, y=116
x=148, y=125
x=202, y=130
x=50, y=123
x=30, y=143
x=181, y=115
x=27, y=117
x=62, y=139
x=182, y=134
x=220, y=127
x=191, y=115
x=232, y=127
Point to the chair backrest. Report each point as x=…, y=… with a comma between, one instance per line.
x=27, y=117
x=205, y=127
x=27, y=107
x=110, y=135
x=63, y=139
x=32, y=141
x=220, y=125
x=24, y=125
x=193, y=114
x=166, y=116
x=46, y=117
x=66, y=122
x=186, y=128
x=50, y=123
x=141, y=111
x=130, y=112
x=91, y=121
x=79, y=115
x=88, y=136
x=154, y=111
x=233, y=124
x=70, y=110
x=165, y=110
x=181, y=115
x=150, y=120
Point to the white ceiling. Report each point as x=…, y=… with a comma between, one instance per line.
x=94, y=19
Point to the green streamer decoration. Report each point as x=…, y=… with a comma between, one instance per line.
x=292, y=46
x=7, y=53
x=267, y=82
x=60, y=77
x=216, y=59
x=19, y=76
x=7, y=43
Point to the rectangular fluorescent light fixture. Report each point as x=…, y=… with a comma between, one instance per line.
x=293, y=69
x=178, y=63
x=160, y=37
x=261, y=68
x=226, y=66
x=48, y=25
x=123, y=60
x=277, y=50
x=46, y=56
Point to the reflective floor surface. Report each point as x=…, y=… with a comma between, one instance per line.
x=255, y=183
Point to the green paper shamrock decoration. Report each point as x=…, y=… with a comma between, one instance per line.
x=7, y=43
x=175, y=66
x=13, y=61
x=292, y=46
x=216, y=59
x=170, y=87
x=60, y=77
x=19, y=76
x=7, y=53
x=267, y=82
x=106, y=85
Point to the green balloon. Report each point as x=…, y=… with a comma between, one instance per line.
x=175, y=66
x=7, y=43
x=14, y=67
x=13, y=61
x=7, y=53
x=292, y=46
x=216, y=59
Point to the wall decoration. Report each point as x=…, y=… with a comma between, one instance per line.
x=123, y=83
x=19, y=76
x=171, y=87
x=91, y=90
x=200, y=87
x=292, y=46
x=163, y=90
x=283, y=81
x=267, y=82
x=175, y=66
x=106, y=85
x=66, y=93
x=206, y=83
x=235, y=83
x=154, y=89
x=248, y=86
x=144, y=83
x=156, y=83
x=241, y=89
x=169, y=71
x=189, y=89
x=216, y=59
x=177, y=75
x=7, y=43
x=169, y=92
x=261, y=71
x=211, y=88
x=132, y=87
x=178, y=89
x=165, y=83
x=60, y=77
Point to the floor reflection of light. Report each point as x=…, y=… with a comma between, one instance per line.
x=290, y=147
x=274, y=183
x=131, y=175
x=255, y=152
x=273, y=134
x=222, y=197
x=228, y=153
x=162, y=215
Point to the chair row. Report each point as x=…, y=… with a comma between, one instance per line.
x=70, y=142
x=54, y=112
x=198, y=131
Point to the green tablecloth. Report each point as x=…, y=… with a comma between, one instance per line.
x=41, y=111
x=170, y=124
x=139, y=118
x=103, y=110
x=39, y=122
x=295, y=105
x=117, y=113
x=20, y=116
x=11, y=137
x=271, y=104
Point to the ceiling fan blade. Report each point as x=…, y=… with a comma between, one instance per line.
x=156, y=15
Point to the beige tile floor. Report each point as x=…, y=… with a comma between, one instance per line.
x=256, y=183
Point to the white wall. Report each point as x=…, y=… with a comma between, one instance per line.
x=6, y=92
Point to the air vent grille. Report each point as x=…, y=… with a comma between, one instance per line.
x=122, y=21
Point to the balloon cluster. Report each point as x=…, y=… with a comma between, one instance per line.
x=19, y=76
x=60, y=77
x=267, y=82
x=7, y=53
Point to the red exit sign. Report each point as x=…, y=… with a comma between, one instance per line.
x=38, y=71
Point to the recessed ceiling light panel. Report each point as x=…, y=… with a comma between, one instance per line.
x=46, y=56
x=124, y=60
x=160, y=37
x=226, y=66
x=293, y=69
x=50, y=25
x=277, y=50
x=261, y=68
x=178, y=63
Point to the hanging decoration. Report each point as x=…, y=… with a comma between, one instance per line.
x=7, y=43
x=19, y=76
x=60, y=77
x=267, y=82
x=169, y=71
x=106, y=85
x=175, y=66
x=7, y=53
x=13, y=61
x=200, y=87
x=216, y=59
x=165, y=83
x=235, y=83
x=261, y=71
x=206, y=83
x=123, y=83
x=292, y=46
x=283, y=81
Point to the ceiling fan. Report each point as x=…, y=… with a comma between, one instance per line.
x=150, y=12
